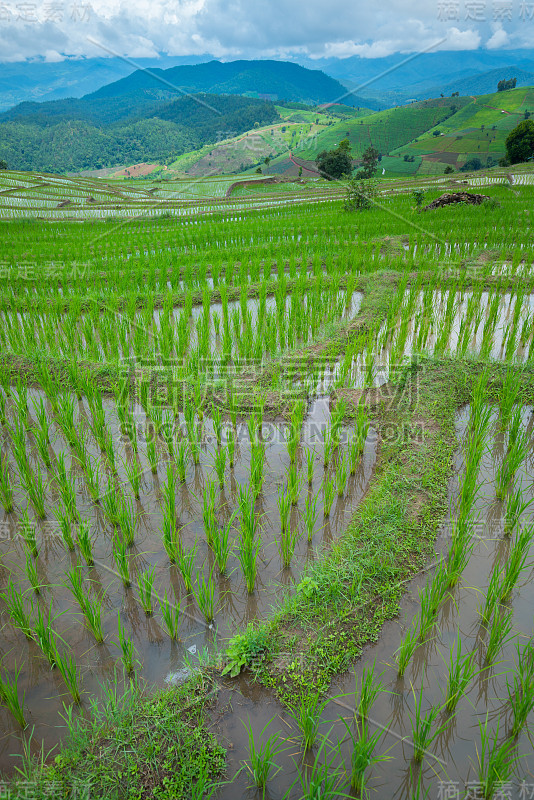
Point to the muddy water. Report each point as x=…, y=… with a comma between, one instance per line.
x=335, y=305
x=449, y=769
x=160, y=659
x=358, y=374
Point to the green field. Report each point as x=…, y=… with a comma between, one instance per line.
x=265, y=478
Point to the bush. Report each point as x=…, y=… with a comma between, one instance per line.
x=360, y=194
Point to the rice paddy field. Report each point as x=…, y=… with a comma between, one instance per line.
x=266, y=473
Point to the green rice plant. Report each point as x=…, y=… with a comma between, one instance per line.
x=322, y=779
x=257, y=464
x=249, y=548
x=407, y=648
x=9, y=697
x=230, y=445
x=287, y=544
x=362, y=753
x=307, y=713
x=462, y=669
x=310, y=462
x=170, y=536
x=424, y=728
x=217, y=424
x=186, y=564
x=329, y=493
x=128, y=520
x=246, y=502
x=500, y=633
x=328, y=448
x=20, y=399
x=36, y=489
x=294, y=482
x=83, y=537
x=66, y=666
x=341, y=475
x=128, y=653
x=310, y=515
x=28, y=532
x=182, y=459
x=430, y=600
x=152, y=455
x=134, y=473
x=111, y=502
x=146, y=590
x=33, y=575
x=219, y=465
x=42, y=441
x=221, y=544
x=205, y=595
x=122, y=561
x=284, y=507
x=91, y=471
x=168, y=491
x=3, y=407
x=515, y=507
x=194, y=443
x=171, y=616
x=508, y=397
x=496, y=762
x=262, y=757
x=517, y=452
x=6, y=487
x=19, y=617
x=65, y=526
x=370, y=686
x=516, y=563
x=520, y=696
x=44, y=636
x=293, y=442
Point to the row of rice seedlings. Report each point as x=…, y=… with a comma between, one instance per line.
x=425, y=731
x=521, y=690
x=100, y=337
x=91, y=608
x=249, y=538
x=128, y=653
x=518, y=448
x=504, y=579
x=462, y=669
x=9, y=697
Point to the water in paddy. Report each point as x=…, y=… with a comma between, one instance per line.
x=449, y=768
x=161, y=660
x=376, y=371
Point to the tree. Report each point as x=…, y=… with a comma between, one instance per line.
x=448, y=169
x=337, y=163
x=3, y=164
x=360, y=194
x=503, y=85
x=369, y=163
x=472, y=165
x=520, y=142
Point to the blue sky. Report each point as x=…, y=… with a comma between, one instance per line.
x=258, y=28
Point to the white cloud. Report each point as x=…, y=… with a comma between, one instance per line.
x=242, y=28
x=499, y=39
x=461, y=40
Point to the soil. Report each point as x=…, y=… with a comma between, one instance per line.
x=456, y=197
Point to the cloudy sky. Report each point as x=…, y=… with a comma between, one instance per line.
x=258, y=28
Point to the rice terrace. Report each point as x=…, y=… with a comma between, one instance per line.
x=266, y=462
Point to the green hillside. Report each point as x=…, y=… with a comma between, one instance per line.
x=385, y=130
x=478, y=130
